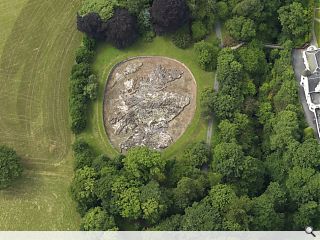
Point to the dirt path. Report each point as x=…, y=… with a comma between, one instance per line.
x=216, y=83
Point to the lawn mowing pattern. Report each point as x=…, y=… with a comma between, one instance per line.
x=37, y=55
x=108, y=56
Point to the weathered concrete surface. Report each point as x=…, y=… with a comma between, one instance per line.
x=144, y=96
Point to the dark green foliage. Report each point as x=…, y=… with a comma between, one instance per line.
x=10, y=166
x=89, y=43
x=241, y=28
x=144, y=164
x=206, y=55
x=96, y=219
x=84, y=55
x=228, y=159
x=187, y=191
x=207, y=98
x=224, y=105
x=295, y=20
x=217, y=211
x=197, y=154
x=307, y=215
x=82, y=188
x=169, y=224
x=153, y=204
x=307, y=154
x=122, y=29
x=199, y=31
x=182, y=38
x=249, y=8
x=168, y=15
x=265, y=218
x=83, y=154
x=91, y=24
x=303, y=185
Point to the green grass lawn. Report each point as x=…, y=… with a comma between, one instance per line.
x=108, y=56
x=37, y=45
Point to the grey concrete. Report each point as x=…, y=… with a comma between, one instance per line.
x=298, y=67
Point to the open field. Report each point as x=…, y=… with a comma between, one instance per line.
x=108, y=56
x=38, y=39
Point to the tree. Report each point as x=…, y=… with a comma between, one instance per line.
x=122, y=28
x=215, y=212
x=307, y=154
x=264, y=216
x=125, y=198
x=229, y=70
x=199, y=30
x=284, y=129
x=168, y=15
x=228, y=131
x=182, y=38
x=171, y=223
x=241, y=28
x=228, y=160
x=134, y=6
x=153, y=204
x=253, y=60
x=96, y=219
x=83, y=154
x=206, y=55
x=288, y=94
x=197, y=154
x=224, y=106
x=295, y=20
x=82, y=188
x=201, y=216
x=307, y=215
x=84, y=55
x=298, y=182
x=187, y=191
x=207, y=98
x=91, y=24
x=10, y=166
x=222, y=10
x=249, y=8
x=144, y=164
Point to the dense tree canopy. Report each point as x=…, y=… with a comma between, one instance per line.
x=262, y=172
x=169, y=15
x=122, y=28
x=295, y=20
x=241, y=28
x=10, y=166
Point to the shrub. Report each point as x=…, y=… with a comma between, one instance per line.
x=84, y=55
x=83, y=154
x=199, y=31
x=10, y=166
x=182, y=38
x=89, y=43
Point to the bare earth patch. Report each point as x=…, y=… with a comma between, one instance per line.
x=149, y=101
